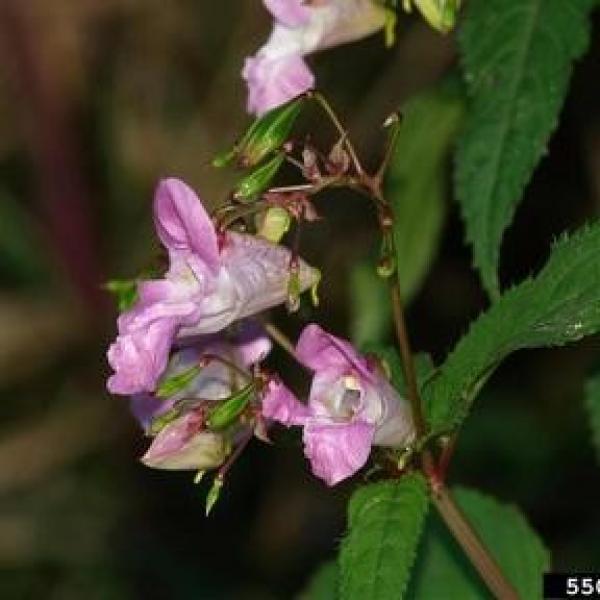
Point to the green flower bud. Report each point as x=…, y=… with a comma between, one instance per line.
x=230, y=409
x=213, y=494
x=258, y=181
x=169, y=386
x=265, y=135
x=274, y=224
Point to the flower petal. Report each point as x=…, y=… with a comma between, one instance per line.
x=182, y=223
x=319, y=350
x=337, y=451
x=181, y=446
x=279, y=404
x=273, y=81
x=140, y=357
x=260, y=272
x=291, y=13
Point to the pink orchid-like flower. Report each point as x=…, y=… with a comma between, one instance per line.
x=351, y=407
x=184, y=442
x=211, y=282
x=278, y=72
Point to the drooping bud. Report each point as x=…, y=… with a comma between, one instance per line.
x=258, y=180
x=273, y=224
x=174, y=449
x=267, y=134
x=170, y=386
x=230, y=409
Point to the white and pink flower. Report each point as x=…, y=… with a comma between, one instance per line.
x=211, y=282
x=351, y=407
x=278, y=72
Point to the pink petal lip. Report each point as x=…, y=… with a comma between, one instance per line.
x=337, y=451
x=274, y=81
x=182, y=223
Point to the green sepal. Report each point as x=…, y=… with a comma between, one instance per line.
x=230, y=409
x=171, y=385
x=125, y=291
x=258, y=180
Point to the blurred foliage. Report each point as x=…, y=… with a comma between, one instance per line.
x=100, y=100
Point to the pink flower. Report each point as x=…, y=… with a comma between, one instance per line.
x=278, y=73
x=184, y=445
x=184, y=442
x=351, y=407
x=210, y=284
x=244, y=344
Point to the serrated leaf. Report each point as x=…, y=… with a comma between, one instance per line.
x=592, y=404
x=323, y=585
x=560, y=305
x=517, y=58
x=415, y=182
x=385, y=521
x=443, y=571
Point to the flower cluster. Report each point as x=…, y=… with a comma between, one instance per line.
x=189, y=354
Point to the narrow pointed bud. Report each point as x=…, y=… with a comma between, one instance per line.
x=267, y=134
x=386, y=266
x=213, y=494
x=199, y=477
x=170, y=386
x=258, y=180
x=314, y=291
x=230, y=409
x=273, y=224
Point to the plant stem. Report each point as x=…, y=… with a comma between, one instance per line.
x=280, y=338
x=473, y=547
x=341, y=130
x=408, y=365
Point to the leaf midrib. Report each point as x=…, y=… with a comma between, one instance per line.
x=507, y=123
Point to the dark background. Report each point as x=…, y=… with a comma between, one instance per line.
x=98, y=100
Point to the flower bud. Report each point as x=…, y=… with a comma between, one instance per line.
x=230, y=409
x=274, y=224
x=258, y=180
x=265, y=135
x=204, y=450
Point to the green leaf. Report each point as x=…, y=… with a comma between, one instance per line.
x=592, y=404
x=323, y=585
x=415, y=181
x=560, y=305
x=443, y=571
x=517, y=58
x=385, y=521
